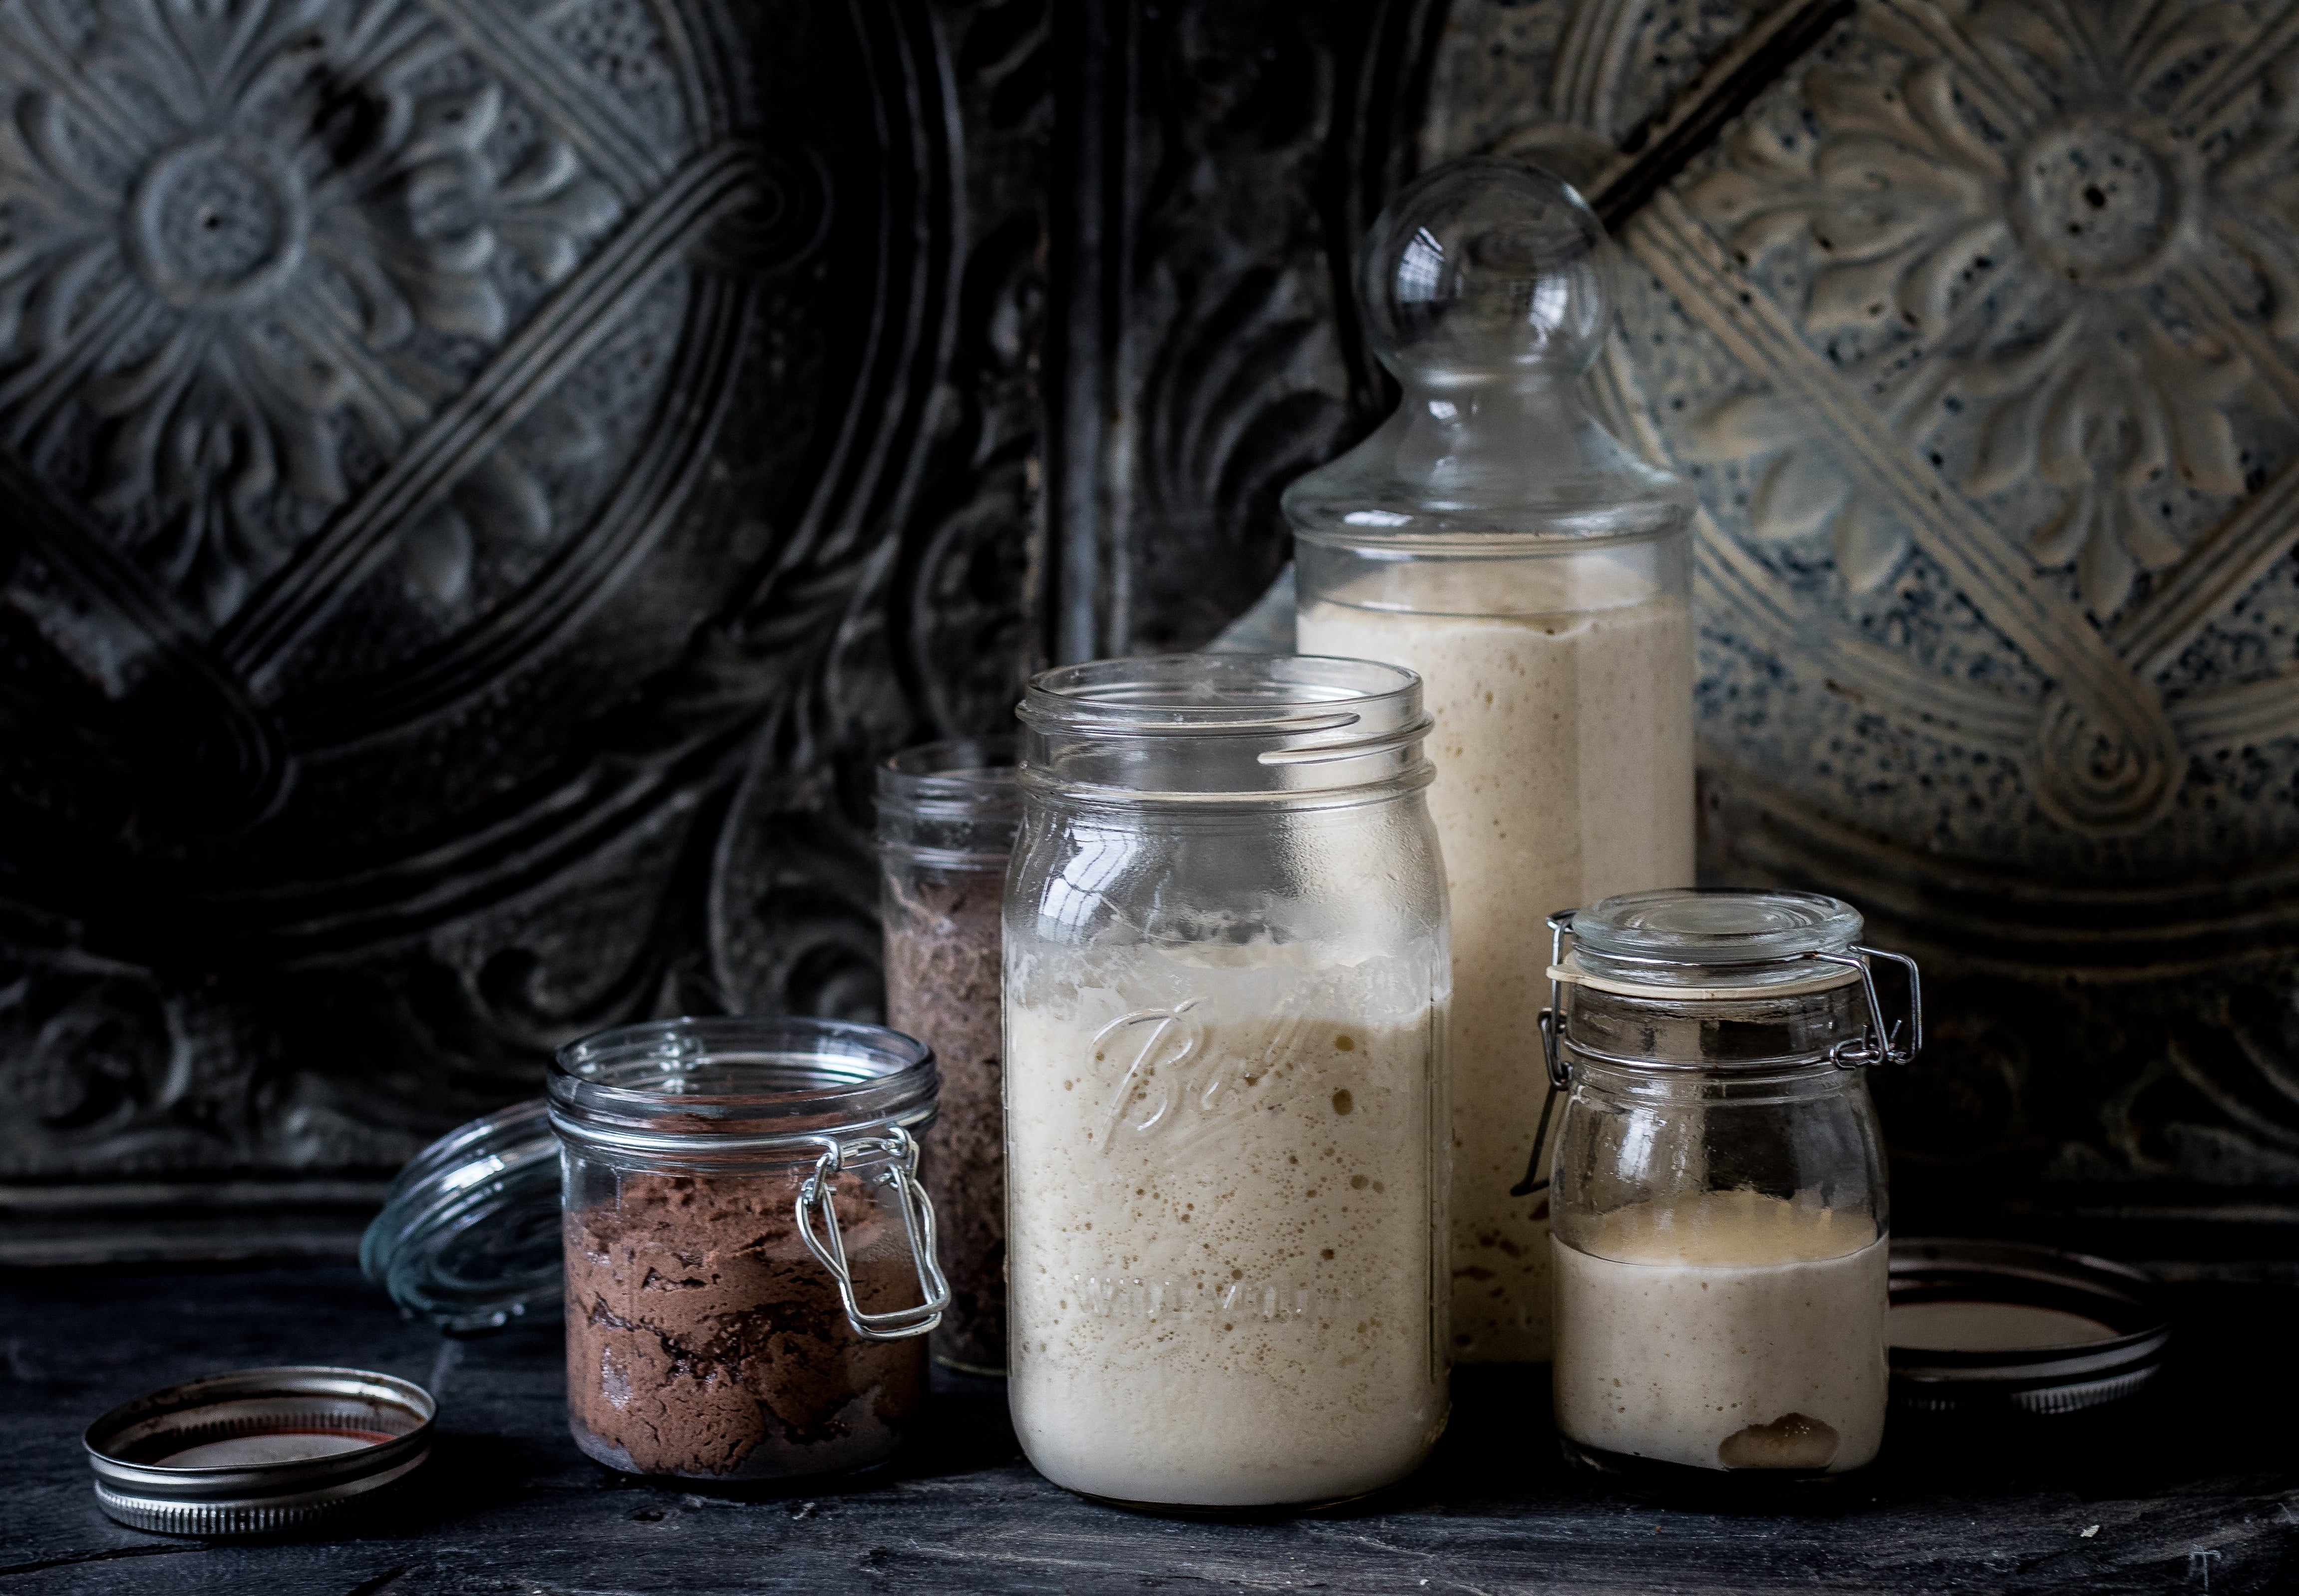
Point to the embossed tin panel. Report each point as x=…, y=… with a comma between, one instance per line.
x=1976, y=330
x=483, y=479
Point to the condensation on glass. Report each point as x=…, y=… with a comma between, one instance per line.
x=1492, y=535
x=1722, y=1225
x=1226, y=982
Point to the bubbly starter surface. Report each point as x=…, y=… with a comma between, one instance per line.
x=1563, y=757
x=1223, y=1280
x=1732, y=1331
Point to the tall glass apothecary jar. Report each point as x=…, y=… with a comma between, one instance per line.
x=1721, y=1224
x=1493, y=536
x=1226, y=981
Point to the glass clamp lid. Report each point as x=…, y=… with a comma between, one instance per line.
x=468, y=1236
x=1686, y=945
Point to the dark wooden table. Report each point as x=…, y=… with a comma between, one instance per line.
x=2196, y=1489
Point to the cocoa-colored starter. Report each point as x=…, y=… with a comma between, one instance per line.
x=943, y=969
x=703, y=1339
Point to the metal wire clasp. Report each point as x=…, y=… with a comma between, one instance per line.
x=1878, y=1043
x=898, y=1152
x=1552, y=1019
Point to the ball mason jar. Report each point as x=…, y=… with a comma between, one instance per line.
x=1226, y=982
x=1494, y=537
x=947, y=815
x=750, y=1258
x=1721, y=1221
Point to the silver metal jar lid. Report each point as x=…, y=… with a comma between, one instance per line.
x=1981, y=1326
x=258, y=1450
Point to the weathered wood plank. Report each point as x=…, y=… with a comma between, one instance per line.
x=2195, y=1491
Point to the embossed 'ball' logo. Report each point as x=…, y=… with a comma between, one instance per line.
x=212, y=228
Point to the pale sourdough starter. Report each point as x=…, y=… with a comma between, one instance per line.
x=1221, y=1285
x=1729, y=1331
x=1563, y=757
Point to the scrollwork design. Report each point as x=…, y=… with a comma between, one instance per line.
x=2100, y=780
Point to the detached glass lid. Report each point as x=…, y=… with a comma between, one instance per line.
x=469, y=1234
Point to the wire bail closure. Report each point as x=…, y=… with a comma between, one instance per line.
x=1879, y=1041
x=899, y=1171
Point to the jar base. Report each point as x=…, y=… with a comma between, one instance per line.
x=1238, y=1515
x=1726, y=1490
x=768, y=1468
x=980, y=1370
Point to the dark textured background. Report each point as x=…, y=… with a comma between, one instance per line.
x=746, y=390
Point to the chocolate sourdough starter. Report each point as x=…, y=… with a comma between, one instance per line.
x=703, y=1339
x=942, y=964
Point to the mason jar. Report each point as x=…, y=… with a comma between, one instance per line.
x=1720, y=1220
x=750, y=1260
x=1226, y=983
x=947, y=815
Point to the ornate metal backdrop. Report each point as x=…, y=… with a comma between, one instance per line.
x=483, y=478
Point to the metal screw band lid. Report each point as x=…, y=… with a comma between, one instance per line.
x=2103, y=1328
x=258, y=1450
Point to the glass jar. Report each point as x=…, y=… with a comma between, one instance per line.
x=946, y=814
x=750, y=1258
x=1721, y=1229
x=1493, y=536
x=1225, y=993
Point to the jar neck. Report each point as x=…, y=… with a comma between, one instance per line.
x=1491, y=572
x=1748, y=1035
x=954, y=804
x=1224, y=731
x=1806, y=1081
x=737, y=1089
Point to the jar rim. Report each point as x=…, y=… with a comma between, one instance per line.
x=954, y=778
x=1219, y=694
x=1222, y=729
x=734, y=1084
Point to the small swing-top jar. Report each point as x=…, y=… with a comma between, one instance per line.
x=750, y=1256
x=1721, y=1228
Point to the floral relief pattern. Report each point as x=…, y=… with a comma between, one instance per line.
x=256, y=243
x=2025, y=196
